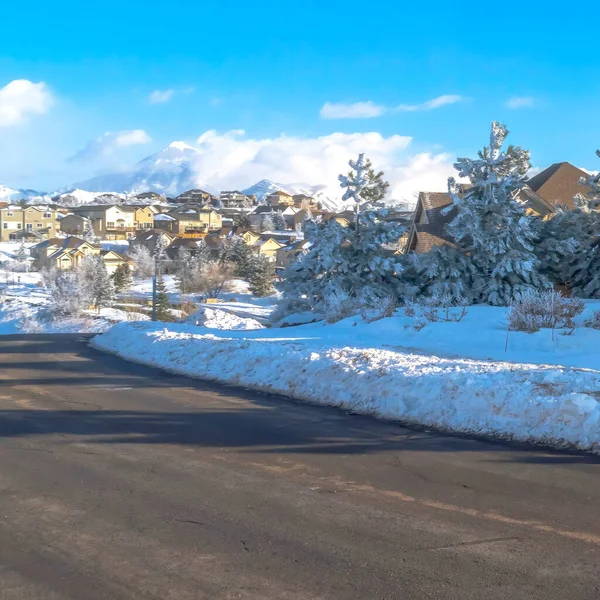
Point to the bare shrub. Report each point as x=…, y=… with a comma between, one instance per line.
x=594, y=321
x=444, y=308
x=340, y=305
x=534, y=310
x=376, y=305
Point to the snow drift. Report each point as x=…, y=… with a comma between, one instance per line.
x=526, y=402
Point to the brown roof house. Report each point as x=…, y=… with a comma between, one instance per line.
x=559, y=184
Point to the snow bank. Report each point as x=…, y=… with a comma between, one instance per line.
x=527, y=402
x=214, y=318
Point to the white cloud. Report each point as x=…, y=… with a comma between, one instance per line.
x=520, y=102
x=367, y=110
x=160, y=96
x=234, y=161
x=21, y=99
x=109, y=142
x=432, y=104
x=357, y=110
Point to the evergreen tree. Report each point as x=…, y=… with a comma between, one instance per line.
x=22, y=253
x=279, y=223
x=585, y=262
x=161, y=306
x=492, y=226
x=239, y=254
x=144, y=261
x=261, y=276
x=342, y=260
x=160, y=247
x=242, y=220
x=122, y=277
x=89, y=235
x=96, y=281
x=267, y=223
x=363, y=185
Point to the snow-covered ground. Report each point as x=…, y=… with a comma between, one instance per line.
x=455, y=376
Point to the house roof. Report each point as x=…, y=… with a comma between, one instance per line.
x=64, y=243
x=280, y=193
x=559, y=184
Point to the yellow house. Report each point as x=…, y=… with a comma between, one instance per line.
x=250, y=237
x=280, y=197
x=143, y=216
x=27, y=221
x=267, y=248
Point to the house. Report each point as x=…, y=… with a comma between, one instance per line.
x=559, y=184
x=62, y=253
x=432, y=215
x=303, y=201
x=110, y=222
x=267, y=247
x=113, y=260
x=72, y=224
x=18, y=222
x=151, y=197
x=143, y=215
x=189, y=221
x=196, y=196
x=260, y=213
x=279, y=197
x=289, y=254
x=149, y=237
x=235, y=199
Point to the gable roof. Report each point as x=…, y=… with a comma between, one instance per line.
x=64, y=243
x=559, y=184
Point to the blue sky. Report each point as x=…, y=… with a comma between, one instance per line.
x=269, y=67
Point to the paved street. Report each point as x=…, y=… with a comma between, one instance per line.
x=121, y=482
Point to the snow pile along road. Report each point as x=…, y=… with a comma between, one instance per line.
x=213, y=318
x=527, y=402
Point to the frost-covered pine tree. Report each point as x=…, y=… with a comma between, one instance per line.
x=492, y=226
x=89, y=235
x=66, y=294
x=144, y=262
x=279, y=223
x=362, y=184
x=160, y=247
x=443, y=271
x=267, y=223
x=342, y=260
x=585, y=262
x=22, y=253
x=261, y=276
x=96, y=281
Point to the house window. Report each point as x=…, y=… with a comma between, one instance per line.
x=29, y=226
x=47, y=215
x=5, y=225
x=12, y=237
x=39, y=225
x=110, y=224
x=9, y=214
x=149, y=215
x=18, y=225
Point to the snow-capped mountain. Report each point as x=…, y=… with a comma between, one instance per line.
x=169, y=172
x=329, y=199
x=8, y=194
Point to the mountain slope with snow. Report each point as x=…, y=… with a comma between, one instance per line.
x=8, y=194
x=169, y=172
x=329, y=199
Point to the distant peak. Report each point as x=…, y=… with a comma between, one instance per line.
x=179, y=146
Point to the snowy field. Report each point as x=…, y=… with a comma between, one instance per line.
x=454, y=376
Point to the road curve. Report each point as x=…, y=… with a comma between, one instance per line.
x=118, y=481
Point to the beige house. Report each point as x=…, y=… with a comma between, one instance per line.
x=289, y=254
x=267, y=248
x=17, y=222
x=280, y=197
x=67, y=253
x=110, y=222
x=189, y=222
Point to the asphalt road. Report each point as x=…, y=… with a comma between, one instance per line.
x=120, y=482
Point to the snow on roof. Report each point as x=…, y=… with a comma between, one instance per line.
x=164, y=217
